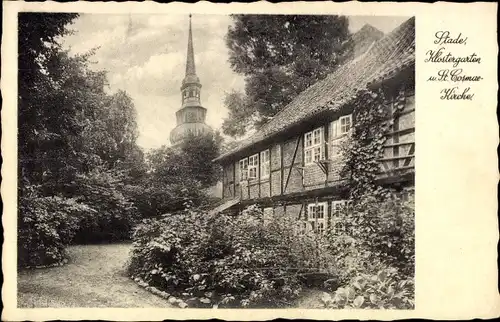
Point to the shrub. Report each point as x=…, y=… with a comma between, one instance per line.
x=224, y=260
x=374, y=233
x=385, y=290
x=372, y=244
x=45, y=226
x=115, y=214
x=153, y=197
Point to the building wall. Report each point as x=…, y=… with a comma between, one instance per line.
x=289, y=175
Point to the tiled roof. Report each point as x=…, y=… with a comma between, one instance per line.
x=392, y=53
x=364, y=37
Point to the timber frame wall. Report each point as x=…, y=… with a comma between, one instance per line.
x=291, y=184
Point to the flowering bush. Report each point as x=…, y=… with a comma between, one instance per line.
x=223, y=260
x=385, y=290
x=45, y=226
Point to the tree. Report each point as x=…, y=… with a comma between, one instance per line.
x=178, y=175
x=77, y=150
x=44, y=127
x=191, y=160
x=280, y=56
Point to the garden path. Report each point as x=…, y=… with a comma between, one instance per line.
x=94, y=277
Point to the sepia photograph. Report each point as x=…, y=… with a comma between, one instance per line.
x=215, y=161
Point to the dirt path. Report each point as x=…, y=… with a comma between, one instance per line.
x=94, y=277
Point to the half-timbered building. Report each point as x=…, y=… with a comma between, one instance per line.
x=291, y=165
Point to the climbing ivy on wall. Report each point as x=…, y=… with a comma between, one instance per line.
x=366, y=143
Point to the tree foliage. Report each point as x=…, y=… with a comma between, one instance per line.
x=191, y=160
x=280, y=56
x=76, y=144
x=177, y=176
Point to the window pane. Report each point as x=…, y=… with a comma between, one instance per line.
x=345, y=123
x=317, y=136
x=308, y=139
x=317, y=153
x=321, y=227
x=311, y=212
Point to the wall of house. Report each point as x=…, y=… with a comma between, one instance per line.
x=276, y=170
x=289, y=174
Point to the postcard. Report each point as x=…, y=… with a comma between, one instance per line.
x=311, y=160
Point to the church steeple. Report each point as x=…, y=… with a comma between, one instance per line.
x=191, y=116
x=190, y=66
x=191, y=86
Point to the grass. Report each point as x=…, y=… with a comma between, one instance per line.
x=94, y=277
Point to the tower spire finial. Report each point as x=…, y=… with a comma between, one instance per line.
x=190, y=67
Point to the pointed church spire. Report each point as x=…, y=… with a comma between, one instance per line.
x=191, y=116
x=190, y=67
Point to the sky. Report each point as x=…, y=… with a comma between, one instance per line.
x=145, y=55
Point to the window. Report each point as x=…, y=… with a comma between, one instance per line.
x=338, y=208
x=345, y=124
x=341, y=126
x=253, y=165
x=316, y=215
x=303, y=227
x=264, y=164
x=313, y=146
x=244, y=169
x=338, y=129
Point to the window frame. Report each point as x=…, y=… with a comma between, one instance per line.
x=265, y=166
x=336, y=126
x=316, y=221
x=243, y=169
x=349, y=125
x=312, y=147
x=342, y=203
x=336, y=213
x=254, y=165
x=336, y=135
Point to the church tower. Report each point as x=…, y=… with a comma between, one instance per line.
x=191, y=116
